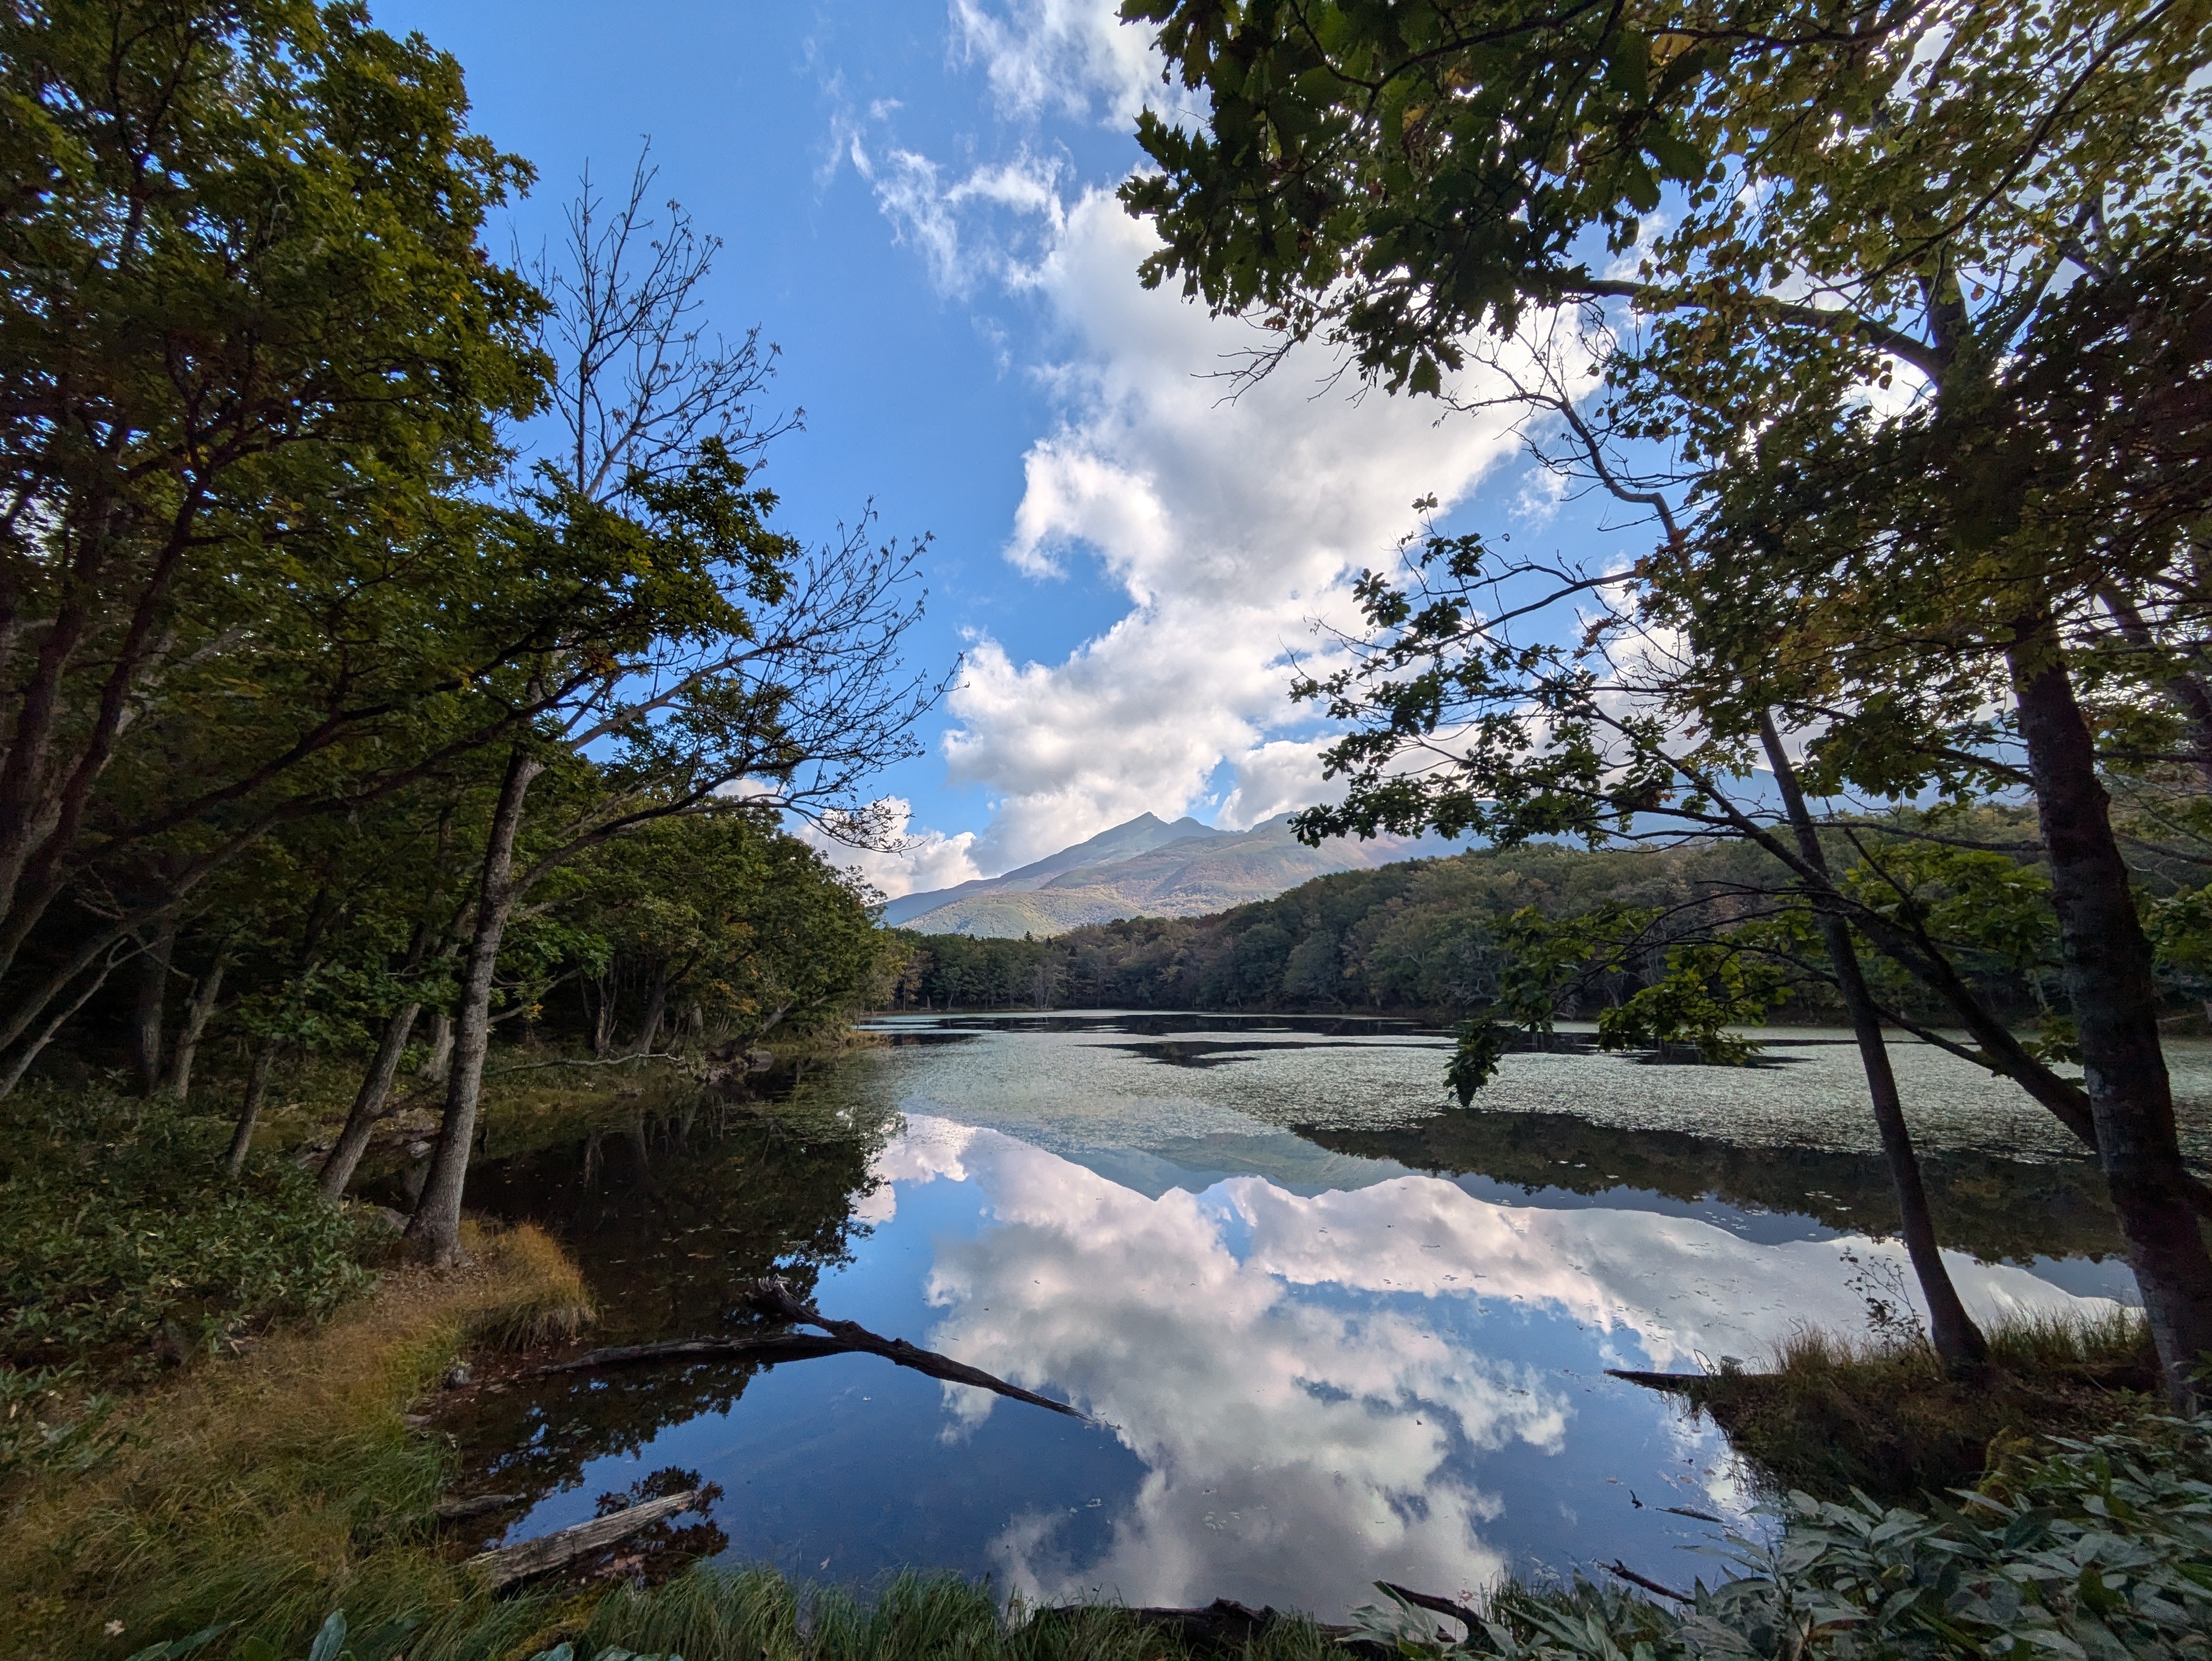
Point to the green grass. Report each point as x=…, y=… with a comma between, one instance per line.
x=755, y=1615
x=2089, y=1549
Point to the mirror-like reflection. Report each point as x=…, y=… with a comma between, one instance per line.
x=1323, y=1345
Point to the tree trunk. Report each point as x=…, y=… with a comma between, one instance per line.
x=435, y=1227
x=440, y=1061
x=603, y=1027
x=249, y=1109
x=199, y=1009
x=367, y=1106
x=1952, y=1331
x=29, y=1053
x=656, y=1008
x=2107, y=975
x=146, y=1022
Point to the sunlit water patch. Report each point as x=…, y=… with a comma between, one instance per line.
x=1326, y=1332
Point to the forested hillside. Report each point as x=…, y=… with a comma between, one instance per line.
x=1448, y=937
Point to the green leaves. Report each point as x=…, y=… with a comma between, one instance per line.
x=1707, y=989
x=1398, y=177
x=1475, y=1055
x=117, y=1229
x=2091, y=1550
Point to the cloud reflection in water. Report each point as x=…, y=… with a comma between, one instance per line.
x=1326, y=1390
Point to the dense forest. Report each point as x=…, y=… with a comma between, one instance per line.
x=398, y=647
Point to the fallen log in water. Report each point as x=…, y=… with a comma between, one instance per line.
x=1677, y=1383
x=766, y=1349
x=463, y=1509
x=1618, y=1568
x=772, y=1297
x=505, y=1565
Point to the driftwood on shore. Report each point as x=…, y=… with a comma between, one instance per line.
x=772, y=1298
x=1435, y=1605
x=505, y=1565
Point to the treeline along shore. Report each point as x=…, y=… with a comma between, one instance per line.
x=1443, y=939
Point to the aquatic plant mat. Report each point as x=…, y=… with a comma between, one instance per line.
x=1888, y=1419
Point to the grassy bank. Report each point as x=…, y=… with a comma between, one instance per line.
x=2087, y=1549
x=267, y=1489
x=1828, y=1416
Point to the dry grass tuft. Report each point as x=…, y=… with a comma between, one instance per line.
x=271, y=1489
x=1831, y=1415
x=549, y=1302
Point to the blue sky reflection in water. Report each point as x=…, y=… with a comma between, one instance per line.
x=1313, y=1367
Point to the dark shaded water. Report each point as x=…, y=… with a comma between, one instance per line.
x=1332, y=1331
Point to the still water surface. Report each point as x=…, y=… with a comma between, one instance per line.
x=1329, y=1331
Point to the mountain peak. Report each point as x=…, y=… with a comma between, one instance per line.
x=1126, y=841
x=1143, y=867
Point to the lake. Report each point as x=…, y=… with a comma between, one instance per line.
x=1328, y=1327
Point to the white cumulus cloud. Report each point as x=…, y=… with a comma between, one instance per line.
x=916, y=861
x=1229, y=523
x=1230, y=516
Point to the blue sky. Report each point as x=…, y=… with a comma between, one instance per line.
x=915, y=203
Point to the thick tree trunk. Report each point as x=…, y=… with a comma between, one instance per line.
x=147, y=1014
x=1952, y=1331
x=368, y=1104
x=440, y=1061
x=199, y=1009
x=435, y=1227
x=2107, y=975
x=249, y=1108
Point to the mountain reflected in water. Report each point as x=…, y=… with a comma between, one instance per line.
x=1317, y=1356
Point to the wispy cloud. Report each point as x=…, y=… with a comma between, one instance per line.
x=1068, y=58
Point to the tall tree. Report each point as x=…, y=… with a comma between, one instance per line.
x=1865, y=195
x=249, y=345
x=711, y=652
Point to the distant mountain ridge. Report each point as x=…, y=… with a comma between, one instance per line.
x=1146, y=867
x=1138, y=836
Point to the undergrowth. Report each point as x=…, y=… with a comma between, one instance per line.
x=2097, y=1550
x=124, y=1247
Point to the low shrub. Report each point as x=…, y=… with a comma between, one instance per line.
x=2098, y=1550
x=255, y=1495
x=123, y=1245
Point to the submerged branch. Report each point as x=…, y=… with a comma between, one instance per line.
x=772, y=1297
